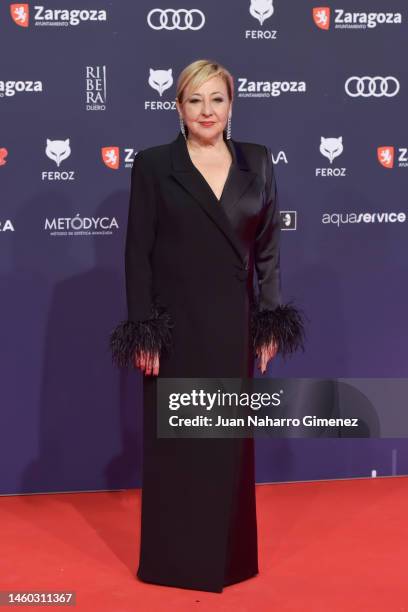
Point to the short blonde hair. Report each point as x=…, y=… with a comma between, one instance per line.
x=196, y=73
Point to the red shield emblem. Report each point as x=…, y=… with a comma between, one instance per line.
x=110, y=157
x=321, y=17
x=385, y=156
x=3, y=155
x=20, y=14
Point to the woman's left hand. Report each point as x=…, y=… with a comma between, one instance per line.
x=265, y=353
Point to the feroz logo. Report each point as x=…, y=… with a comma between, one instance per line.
x=58, y=151
x=321, y=17
x=171, y=19
x=20, y=14
x=331, y=147
x=261, y=9
x=376, y=87
x=160, y=80
x=3, y=155
x=111, y=157
x=385, y=156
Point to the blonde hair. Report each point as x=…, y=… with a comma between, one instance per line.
x=196, y=73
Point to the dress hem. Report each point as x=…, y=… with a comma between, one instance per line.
x=209, y=589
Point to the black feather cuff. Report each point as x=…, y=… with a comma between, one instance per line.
x=284, y=324
x=151, y=335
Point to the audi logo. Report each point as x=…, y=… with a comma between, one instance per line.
x=170, y=19
x=372, y=86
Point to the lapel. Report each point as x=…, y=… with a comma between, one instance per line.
x=239, y=179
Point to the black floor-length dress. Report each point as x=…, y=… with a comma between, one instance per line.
x=190, y=265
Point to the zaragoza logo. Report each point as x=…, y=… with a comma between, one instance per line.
x=43, y=16
x=385, y=156
x=352, y=20
x=111, y=157
x=3, y=155
x=20, y=14
x=321, y=17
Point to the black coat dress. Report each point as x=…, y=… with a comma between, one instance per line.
x=190, y=263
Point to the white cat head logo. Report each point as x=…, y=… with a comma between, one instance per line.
x=58, y=150
x=331, y=147
x=161, y=80
x=261, y=9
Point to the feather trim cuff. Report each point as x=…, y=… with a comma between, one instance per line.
x=151, y=335
x=284, y=324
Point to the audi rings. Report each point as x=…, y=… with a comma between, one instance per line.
x=367, y=86
x=170, y=19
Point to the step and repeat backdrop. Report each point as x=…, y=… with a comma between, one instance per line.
x=84, y=85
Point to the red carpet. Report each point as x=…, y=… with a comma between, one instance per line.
x=324, y=546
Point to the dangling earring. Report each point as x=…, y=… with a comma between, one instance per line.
x=229, y=127
x=182, y=128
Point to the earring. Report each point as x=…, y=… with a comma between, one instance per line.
x=229, y=127
x=182, y=128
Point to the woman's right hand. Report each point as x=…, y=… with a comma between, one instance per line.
x=149, y=363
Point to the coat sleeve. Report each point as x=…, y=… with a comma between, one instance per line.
x=270, y=318
x=148, y=327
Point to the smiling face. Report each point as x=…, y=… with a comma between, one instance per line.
x=205, y=109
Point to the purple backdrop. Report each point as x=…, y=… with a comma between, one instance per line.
x=80, y=93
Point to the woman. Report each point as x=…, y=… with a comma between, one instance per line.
x=203, y=215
